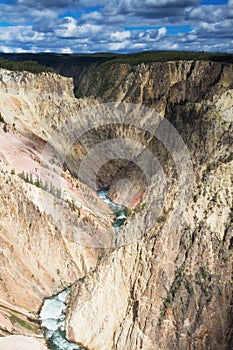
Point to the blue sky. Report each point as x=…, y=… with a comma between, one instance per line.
x=84, y=26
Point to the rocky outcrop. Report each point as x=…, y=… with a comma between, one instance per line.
x=182, y=91
x=166, y=282
x=172, y=288
x=23, y=343
x=42, y=249
x=150, y=84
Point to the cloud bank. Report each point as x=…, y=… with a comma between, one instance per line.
x=120, y=25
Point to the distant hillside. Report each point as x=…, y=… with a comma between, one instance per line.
x=68, y=65
x=29, y=66
x=165, y=56
x=78, y=65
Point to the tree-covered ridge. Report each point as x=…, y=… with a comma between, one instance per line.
x=29, y=66
x=165, y=56
x=57, y=61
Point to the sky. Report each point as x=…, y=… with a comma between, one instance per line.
x=85, y=26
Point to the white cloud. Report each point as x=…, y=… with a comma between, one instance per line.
x=161, y=32
x=150, y=35
x=66, y=50
x=209, y=13
x=70, y=29
x=20, y=50
x=5, y=49
x=118, y=46
x=92, y=16
x=40, y=25
x=139, y=46
x=119, y=36
x=20, y=34
x=46, y=14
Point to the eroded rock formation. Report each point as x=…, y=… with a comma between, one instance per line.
x=171, y=287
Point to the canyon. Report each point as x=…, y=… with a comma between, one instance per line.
x=158, y=135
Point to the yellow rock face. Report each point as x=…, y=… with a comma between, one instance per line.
x=171, y=287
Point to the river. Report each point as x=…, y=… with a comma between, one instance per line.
x=52, y=313
x=118, y=210
x=52, y=316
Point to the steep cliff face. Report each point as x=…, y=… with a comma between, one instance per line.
x=42, y=250
x=182, y=91
x=150, y=84
x=171, y=289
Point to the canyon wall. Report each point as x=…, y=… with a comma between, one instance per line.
x=40, y=254
x=171, y=288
